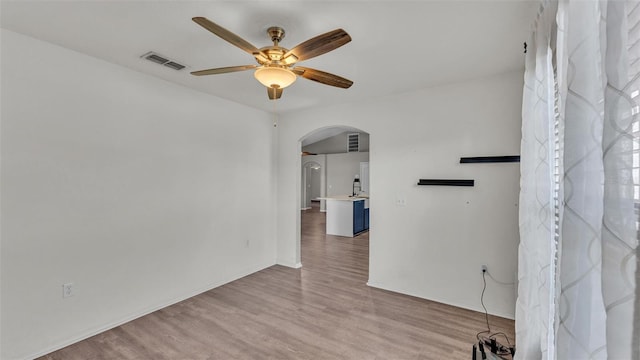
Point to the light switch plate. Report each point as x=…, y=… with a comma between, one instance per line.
x=67, y=290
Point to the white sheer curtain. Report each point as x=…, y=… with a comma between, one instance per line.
x=580, y=184
x=536, y=250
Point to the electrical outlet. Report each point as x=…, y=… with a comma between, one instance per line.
x=484, y=268
x=401, y=202
x=67, y=290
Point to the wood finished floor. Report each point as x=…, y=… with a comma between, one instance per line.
x=323, y=311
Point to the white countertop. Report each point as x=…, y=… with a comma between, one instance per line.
x=346, y=198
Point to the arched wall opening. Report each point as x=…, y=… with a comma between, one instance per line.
x=326, y=152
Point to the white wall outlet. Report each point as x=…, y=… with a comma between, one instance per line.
x=401, y=201
x=484, y=268
x=67, y=290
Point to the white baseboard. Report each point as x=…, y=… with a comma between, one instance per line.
x=131, y=317
x=478, y=309
x=305, y=208
x=293, y=265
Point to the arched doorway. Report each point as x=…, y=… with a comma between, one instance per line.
x=333, y=157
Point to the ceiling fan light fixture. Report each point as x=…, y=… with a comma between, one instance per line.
x=274, y=62
x=278, y=77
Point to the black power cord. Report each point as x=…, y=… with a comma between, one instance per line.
x=490, y=338
x=486, y=313
x=484, y=288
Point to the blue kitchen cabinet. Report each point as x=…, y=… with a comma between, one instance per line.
x=366, y=219
x=358, y=216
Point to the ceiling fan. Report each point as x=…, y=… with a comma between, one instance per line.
x=275, y=69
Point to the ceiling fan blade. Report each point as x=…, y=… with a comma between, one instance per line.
x=223, y=70
x=226, y=35
x=317, y=46
x=274, y=93
x=322, y=77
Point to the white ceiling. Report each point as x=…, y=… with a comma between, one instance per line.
x=397, y=46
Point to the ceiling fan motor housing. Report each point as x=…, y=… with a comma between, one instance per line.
x=274, y=54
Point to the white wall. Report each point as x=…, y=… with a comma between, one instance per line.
x=434, y=246
x=341, y=170
x=136, y=190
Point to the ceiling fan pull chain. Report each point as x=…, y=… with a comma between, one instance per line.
x=275, y=114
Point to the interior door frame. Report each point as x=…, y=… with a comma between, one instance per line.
x=305, y=183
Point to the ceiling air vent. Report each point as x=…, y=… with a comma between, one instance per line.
x=353, y=142
x=174, y=65
x=162, y=60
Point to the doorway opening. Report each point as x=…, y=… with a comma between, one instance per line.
x=334, y=167
x=312, y=181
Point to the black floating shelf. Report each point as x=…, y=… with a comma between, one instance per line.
x=490, y=159
x=445, y=182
